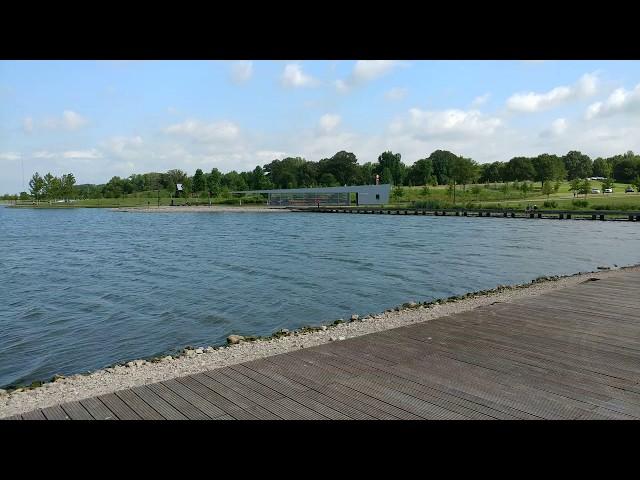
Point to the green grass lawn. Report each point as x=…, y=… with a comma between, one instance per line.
x=493, y=196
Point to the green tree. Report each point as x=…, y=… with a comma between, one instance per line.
x=343, y=166
x=636, y=182
x=441, y=161
x=214, y=182
x=627, y=167
x=386, y=176
x=36, y=185
x=462, y=171
x=547, y=189
x=420, y=173
x=391, y=161
x=199, y=183
x=518, y=168
x=602, y=168
x=328, y=180
x=574, y=185
x=491, y=172
x=585, y=187
x=525, y=188
x=174, y=177
x=548, y=167
x=476, y=190
x=577, y=165
x=67, y=183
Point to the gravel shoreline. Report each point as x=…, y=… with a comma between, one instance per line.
x=141, y=372
x=203, y=209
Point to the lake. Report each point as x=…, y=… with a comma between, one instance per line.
x=82, y=289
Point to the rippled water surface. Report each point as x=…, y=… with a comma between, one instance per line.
x=81, y=289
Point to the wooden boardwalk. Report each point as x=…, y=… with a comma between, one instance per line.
x=570, y=354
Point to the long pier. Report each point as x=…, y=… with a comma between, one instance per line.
x=618, y=215
x=573, y=353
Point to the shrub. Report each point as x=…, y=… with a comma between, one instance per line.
x=432, y=204
x=617, y=207
x=551, y=204
x=580, y=203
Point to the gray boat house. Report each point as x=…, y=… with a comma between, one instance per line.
x=364, y=195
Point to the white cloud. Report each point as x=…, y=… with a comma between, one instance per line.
x=202, y=132
x=10, y=156
x=43, y=154
x=241, y=71
x=69, y=120
x=89, y=154
x=341, y=86
x=120, y=144
x=329, y=122
x=558, y=127
x=27, y=124
x=480, y=100
x=445, y=123
x=396, y=94
x=586, y=86
x=293, y=76
x=620, y=101
x=266, y=156
x=365, y=71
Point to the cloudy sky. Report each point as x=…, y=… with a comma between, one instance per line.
x=98, y=119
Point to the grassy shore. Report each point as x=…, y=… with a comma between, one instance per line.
x=471, y=196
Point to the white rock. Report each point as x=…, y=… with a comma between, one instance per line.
x=332, y=339
x=323, y=327
x=131, y=364
x=354, y=318
x=167, y=358
x=341, y=338
x=2, y=392
x=210, y=349
x=190, y=353
x=199, y=351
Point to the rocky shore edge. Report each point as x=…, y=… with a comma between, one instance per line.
x=239, y=348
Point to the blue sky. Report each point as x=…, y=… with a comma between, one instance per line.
x=98, y=119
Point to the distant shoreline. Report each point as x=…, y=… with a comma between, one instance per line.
x=202, y=209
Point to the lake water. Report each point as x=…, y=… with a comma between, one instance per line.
x=81, y=289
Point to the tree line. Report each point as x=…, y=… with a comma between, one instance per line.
x=440, y=168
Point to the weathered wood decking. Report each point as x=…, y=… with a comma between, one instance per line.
x=570, y=354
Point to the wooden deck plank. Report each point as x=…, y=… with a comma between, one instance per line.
x=76, y=411
x=97, y=409
x=180, y=404
x=34, y=415
x=286, y=410
x=118, y=407
x=164, y=408
x=145, y=411
x=209, y=408
x=238, y=399
x=55, y=413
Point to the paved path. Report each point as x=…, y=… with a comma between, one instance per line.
x=570, y=354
